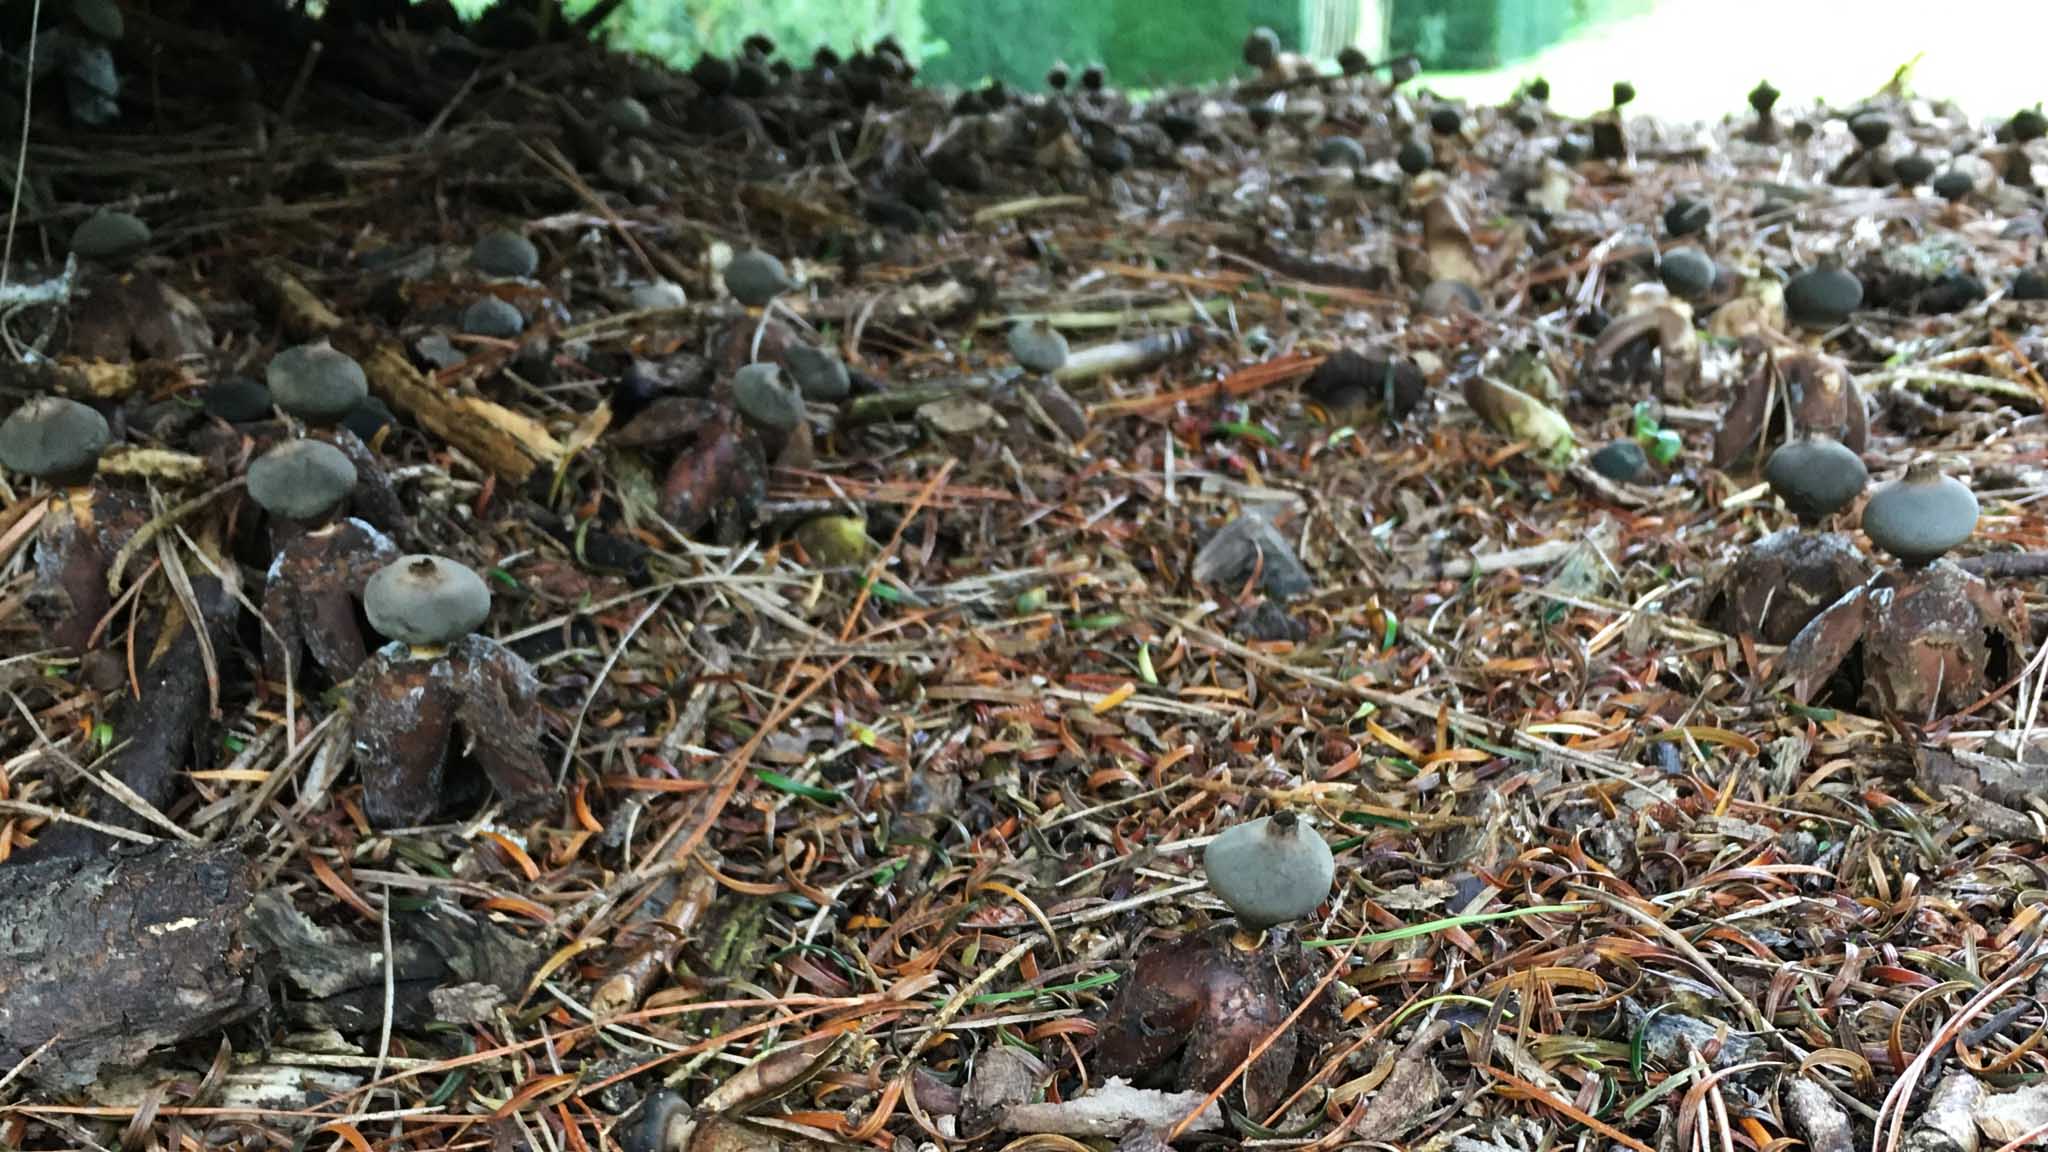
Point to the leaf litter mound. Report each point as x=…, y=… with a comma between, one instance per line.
x=836, y=763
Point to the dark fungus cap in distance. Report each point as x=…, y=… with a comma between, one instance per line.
x=1270, y=870
x=52, y=436
x=1815, y=477
x=316, y=382
x=1038, y=346
x=301, y=479
x=820, y=374
x=505, y=255
x=110, y=236
x=1920, y=516
x=1688, y=272
x=493, y=317
x=755, y=277
x=1262, y=48
x=426, y=601
x=1822, y=297
x=765, y=399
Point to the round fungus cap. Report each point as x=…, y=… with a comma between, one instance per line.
x=301, y=479
x=1687, y=217
x=1340, y=152
x=1919, y=517
x=316, y=382
x=103, y=19
x=1624, y=93
x=505, y=255
x=1687, y=272
x=110, y=236
x=1445, y=120
x=1871, y=129
x=1953, y=184
x=1038, y=346
x=1352, y=60
x=426, y=601
x=1912, y=170
x=1822, y=297
x=1414, y=156
x=820, y=374
x=1815, y=477
x=1621, y=461
x=494, y=317
x=765, y=400
x=755, y=277
x=1270, y=870
x=1763, y=98
x=1262, y=48
x=52, y=436
x=656, y=294
x=629, y=115
x=237, y=400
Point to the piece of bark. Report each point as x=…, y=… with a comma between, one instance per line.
x=156, y=732
x=1112, y=1109
x=1409, y=1092
x=2007, y=782
x=440, y=956
x=1003, y=1077
x=1948, y=1123
x=1816, y=1117
x=118, y=954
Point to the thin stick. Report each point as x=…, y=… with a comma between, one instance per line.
x=603, y=674
x=28, y=92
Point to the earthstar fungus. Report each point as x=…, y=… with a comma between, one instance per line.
x=436, y=678
x=1193, y=1009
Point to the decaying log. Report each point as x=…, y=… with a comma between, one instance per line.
x=117, y=954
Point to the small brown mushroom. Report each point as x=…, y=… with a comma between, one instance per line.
x=1932, y=636
x=412, y=696
x=1655, y=320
